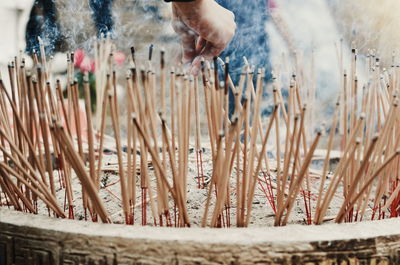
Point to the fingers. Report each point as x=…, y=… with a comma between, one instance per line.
x=211, y=50
x=208, y=52
x=193, y=51
x=201, y=42
x=219, y=32
x=213, y=25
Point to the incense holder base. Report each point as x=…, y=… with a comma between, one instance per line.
x=27, y=239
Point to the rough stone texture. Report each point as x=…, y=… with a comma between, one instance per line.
x=35, y=240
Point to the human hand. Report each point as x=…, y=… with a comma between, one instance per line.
x=205, y=28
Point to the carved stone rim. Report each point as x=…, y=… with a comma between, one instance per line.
x=271, y=235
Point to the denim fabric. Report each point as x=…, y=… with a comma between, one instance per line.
x=251, y=39
x=42, y=23
x=102, y=15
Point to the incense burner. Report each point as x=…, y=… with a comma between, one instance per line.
x=32, y=239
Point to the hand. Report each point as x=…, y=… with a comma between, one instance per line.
x=205, y=28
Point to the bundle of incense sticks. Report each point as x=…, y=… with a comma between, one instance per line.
x=38, y=126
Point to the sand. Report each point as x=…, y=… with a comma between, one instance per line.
x=262, y=212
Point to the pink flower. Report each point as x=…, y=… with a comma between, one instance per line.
x=79, y=55
x=119, y=58
x=86, y=65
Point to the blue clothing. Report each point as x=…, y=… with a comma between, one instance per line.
x=43, y=23
x=102, y=15
x=251, y=39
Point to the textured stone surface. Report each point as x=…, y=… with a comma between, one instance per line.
x=34, y=240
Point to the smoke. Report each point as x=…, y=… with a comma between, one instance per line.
x=371, y=25
x=143, y=22
x=129, y=23
x=76, y=24
x=314, y=34
x=310, y=25
x=43, y=22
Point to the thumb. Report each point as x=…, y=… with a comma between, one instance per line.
x=209, y=51
x=201, y=43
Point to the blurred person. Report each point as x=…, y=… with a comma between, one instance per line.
x=206, y=29
x=251, y=39
x=43, y=22
x=206, y=19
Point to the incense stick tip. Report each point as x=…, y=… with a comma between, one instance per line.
x=151, y=47
x=40, y=41
x=235, y=121
x=220, y=61
x=246, y=62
